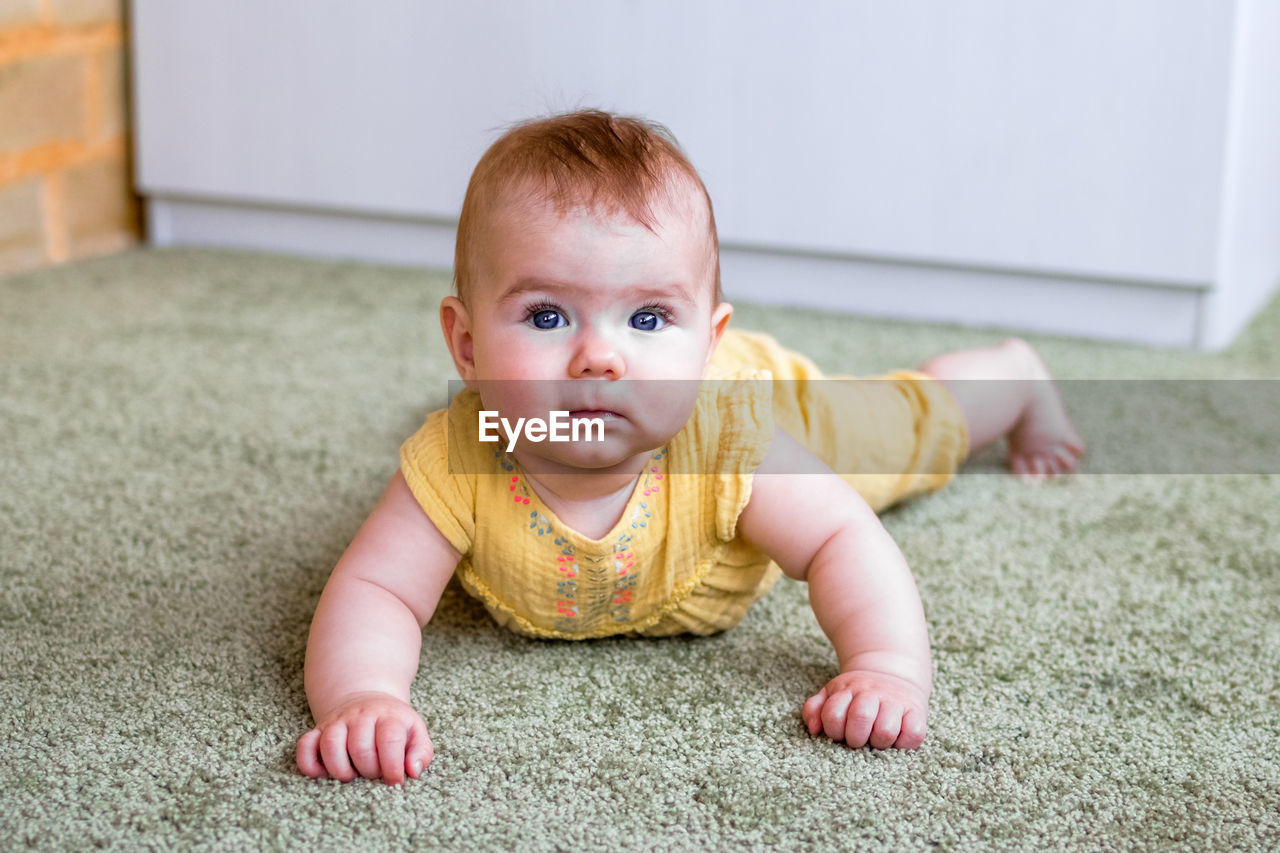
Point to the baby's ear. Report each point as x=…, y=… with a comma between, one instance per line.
x=719, y=322
x=455, y=322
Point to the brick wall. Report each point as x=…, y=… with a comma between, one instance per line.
x=65, y=182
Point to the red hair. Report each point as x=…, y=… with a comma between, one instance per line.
x=613, y=165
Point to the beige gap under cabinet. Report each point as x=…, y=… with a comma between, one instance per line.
x=1108, y=168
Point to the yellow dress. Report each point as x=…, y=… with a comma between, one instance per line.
x=674, y=562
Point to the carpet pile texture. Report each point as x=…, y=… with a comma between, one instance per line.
x=190, y=439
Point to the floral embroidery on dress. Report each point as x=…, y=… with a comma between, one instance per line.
x=566, y=587
x=590, y=588
x=519, y=489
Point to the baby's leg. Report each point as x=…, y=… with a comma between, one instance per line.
x=1018, y=399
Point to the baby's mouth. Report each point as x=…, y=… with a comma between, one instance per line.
x=602, y=414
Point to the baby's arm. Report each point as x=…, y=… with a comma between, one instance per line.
x=818, y=529
x=362, y=653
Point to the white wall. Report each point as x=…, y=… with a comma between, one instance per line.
x=1070, y=167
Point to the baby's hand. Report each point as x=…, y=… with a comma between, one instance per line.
x=862, y=707
x=383, y=737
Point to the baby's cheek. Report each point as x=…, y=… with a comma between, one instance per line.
x=665, y=406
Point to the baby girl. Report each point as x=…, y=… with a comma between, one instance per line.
x=587, y=260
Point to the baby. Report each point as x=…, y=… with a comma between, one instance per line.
x=587, y=259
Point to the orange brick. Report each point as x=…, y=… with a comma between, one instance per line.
x=104, y=244
x=111, y=98
x=39, y=40
x=65, y=189
x=19, y=12
x=55, y=227
x=98, y=203
x=21, y=226
x=42, y=100
x=47, y=159
x=87, y=11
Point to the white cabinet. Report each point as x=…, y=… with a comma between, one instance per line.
x=1098, y=167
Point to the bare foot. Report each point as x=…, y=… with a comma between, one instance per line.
x=1043, y=442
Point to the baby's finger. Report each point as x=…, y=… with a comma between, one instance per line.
x=833, y=711
x=812, y=711
x=420, y=750
x=1066, y=458
x=362, y=747
x=309, y=755
x=861, y=717
x=391, y=738
x=887, y=725
x=913, y=729
x=333, y=752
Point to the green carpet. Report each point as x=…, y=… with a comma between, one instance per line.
x=189, y=439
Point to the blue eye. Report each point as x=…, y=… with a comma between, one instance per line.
x=547, y=318
x=647, y=321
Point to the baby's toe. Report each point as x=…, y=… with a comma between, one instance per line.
x=1028, y=467
x=1018, y=465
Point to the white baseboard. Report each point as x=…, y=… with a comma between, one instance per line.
x=313, y=233
x=1153, y=314
x=1105, y=310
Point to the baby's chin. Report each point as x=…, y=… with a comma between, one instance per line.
x=624, y=447
x=600, y=458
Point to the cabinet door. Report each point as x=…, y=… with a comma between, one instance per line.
x=1082, y=138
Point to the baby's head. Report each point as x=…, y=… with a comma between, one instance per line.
x=587, y=250
x=612, y=167
x=596, y=232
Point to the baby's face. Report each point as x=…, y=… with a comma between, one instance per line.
x=566, y=307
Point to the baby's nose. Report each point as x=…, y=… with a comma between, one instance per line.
x=595, y=356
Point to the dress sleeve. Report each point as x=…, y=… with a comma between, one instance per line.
x=447, y=496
